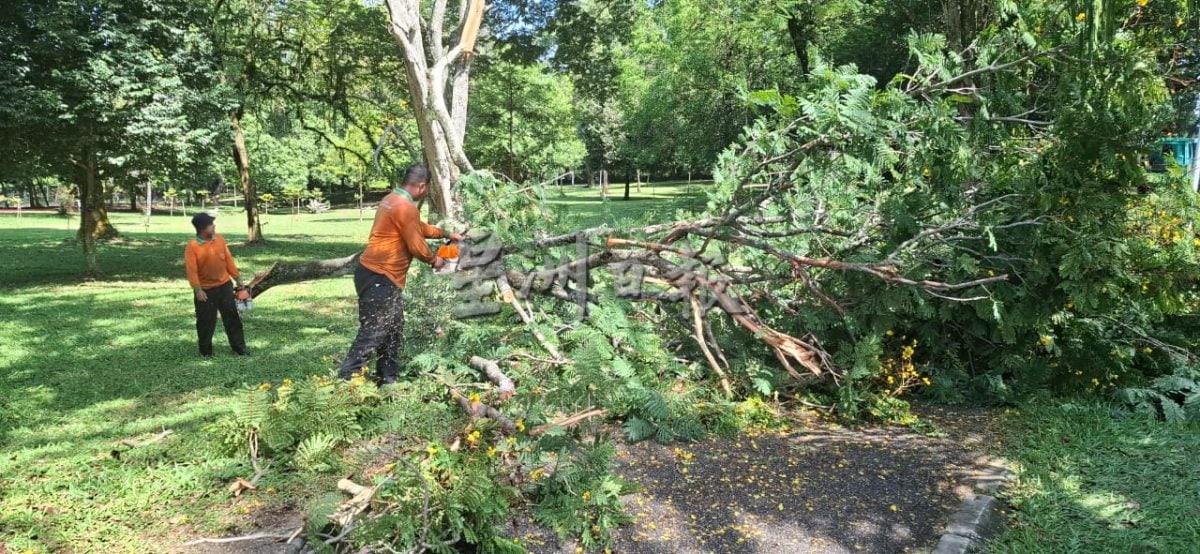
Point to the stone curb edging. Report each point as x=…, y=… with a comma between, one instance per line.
x=979, y=518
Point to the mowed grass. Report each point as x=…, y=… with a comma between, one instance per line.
x=582, y=206
x=1094, y=479
x=86, y=364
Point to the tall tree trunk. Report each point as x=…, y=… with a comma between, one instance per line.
x=133, y=194
x=799, y=24
x=963, y=20
x=242, y=160
x=442, y=126
x=93, y=217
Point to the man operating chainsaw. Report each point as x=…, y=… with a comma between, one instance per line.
x=397, y=237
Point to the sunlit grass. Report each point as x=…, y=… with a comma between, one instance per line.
x=1096, y=480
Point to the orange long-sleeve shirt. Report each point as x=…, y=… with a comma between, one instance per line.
x=397, y=236
x=208, y=262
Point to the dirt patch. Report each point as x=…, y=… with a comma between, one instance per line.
x=821, y=488
x=275, y=521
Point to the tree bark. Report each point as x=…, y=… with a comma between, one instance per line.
x=799, y=22
x=442, y=126
x=282, y=273
x=93, y=217
x=133, y=194
x=93, y=220
x=242, y=160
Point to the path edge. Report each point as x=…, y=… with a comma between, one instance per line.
x=980, y=517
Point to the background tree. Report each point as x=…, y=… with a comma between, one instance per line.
x=108, y=87
x=522, y=121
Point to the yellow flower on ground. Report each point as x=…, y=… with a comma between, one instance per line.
x=1081, y=16
x=1143, y=3
x=491, y=453
x=474, y=398
x=432, y=450
x=264, y=386
x=587, y=495
x=520, y=426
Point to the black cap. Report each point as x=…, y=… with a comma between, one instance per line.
x=202, y=220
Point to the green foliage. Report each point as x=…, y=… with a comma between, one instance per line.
x=522, y=121
x=582, y=498
x=1174, y=398
x=1097, y=267
x=306, y=420
x=439, y=498
x=493, y=207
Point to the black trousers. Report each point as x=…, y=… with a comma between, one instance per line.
x=220, y=300
x=380, y=326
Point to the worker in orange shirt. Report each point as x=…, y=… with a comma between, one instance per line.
x=211, y=271
x=397, y=237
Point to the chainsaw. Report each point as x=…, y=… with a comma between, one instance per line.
x=243, y=300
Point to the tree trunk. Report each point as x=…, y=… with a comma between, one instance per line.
x=93, y=220
x=442, y=127
x=149, y=204
x=242, y=160
x=627, y=182
x=799, y=22
x=93, y=217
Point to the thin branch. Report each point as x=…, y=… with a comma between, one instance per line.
x=250, y=537
x=990, y=69
x=568, y=422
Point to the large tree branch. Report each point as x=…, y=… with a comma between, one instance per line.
x=282, y=273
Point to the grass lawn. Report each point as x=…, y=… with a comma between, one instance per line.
x=1095, y=480
x=581, y=206
x=84, y=365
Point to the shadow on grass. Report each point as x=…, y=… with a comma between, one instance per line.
x=42, y=256
x=1093, y=479
x=77, y=349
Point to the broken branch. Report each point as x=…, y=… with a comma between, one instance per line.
x=492, y=370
